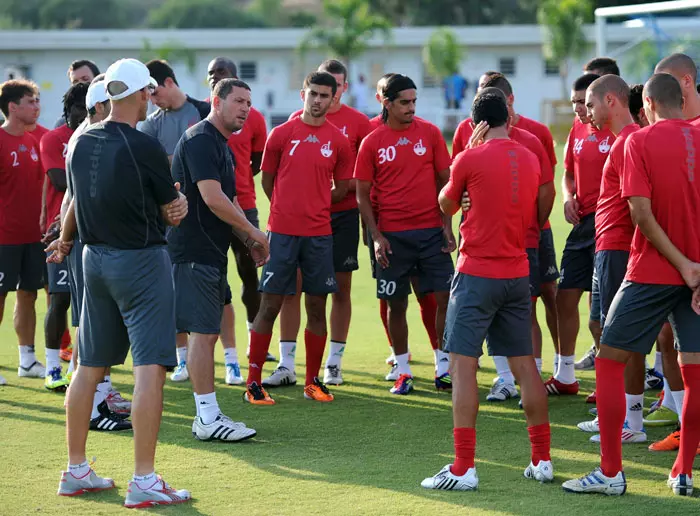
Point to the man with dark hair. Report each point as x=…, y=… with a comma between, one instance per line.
x=662, y=280
x=490, y=297
x=602, y=66
x=82, y=70
x=21, y=250
x=345, y=224
x=685, y=72
x=221, y=68
x=586, y=151
x=203, y=165
x=303, y=158
x=404, y=162
x=637, y=105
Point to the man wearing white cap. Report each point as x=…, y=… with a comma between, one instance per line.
x=123, y=199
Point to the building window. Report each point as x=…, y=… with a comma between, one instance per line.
x=551, y=68
x=506, y=65
x=248, y=70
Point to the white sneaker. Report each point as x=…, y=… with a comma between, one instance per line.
x=390, y=360
x=543, y=472
x=393, y=374
x=682, y=485
x=90, y=483
x=279, y=377
x=596, y=482
x=36, y=370
x=2, y=380
x=233, y=374
x=628, y=436
x=447, y=481
x=221, y=429
x=587, y=361
x=332, y=375
x=180, y=374
x=501, y=391
x=159, y=493
x=589, y=426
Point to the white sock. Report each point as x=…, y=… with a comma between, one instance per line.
x=26, y=356
x=538, y=363
x=402, y=364
x=659, y=363
x=79, y=470
x=99, y=397
x=635, y=413
x=108, y=382
x=230, y=356
x=335, y=355
x=145, y=481
x=249, y=325
x=503, y=369
x=555, y=366
x=52, y=359
x=566, y=372
x=207, y=407
x=442, y=362
x=288, y=350
x=678, y=397
x=668, y=398
x=181, y=354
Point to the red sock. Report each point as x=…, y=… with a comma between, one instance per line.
x=610, y=382
x=690, y=429
x=384, y=314
x=540, y=441
x=428, y=312
x=259, y=346
x=315, y=346
x=465, y=444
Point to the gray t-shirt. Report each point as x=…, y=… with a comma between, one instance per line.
x=169, y=126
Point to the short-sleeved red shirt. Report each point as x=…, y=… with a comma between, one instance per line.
x=250, y=139
x=402, y=167
x=305, y=160
x=53, y=150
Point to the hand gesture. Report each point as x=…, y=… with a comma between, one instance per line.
x=466, y=202
x=571, y=211
x=176, y=211
x=477, y=137
x=59, y=249
x=382, y=250
x=258, y=247
x=450, y=242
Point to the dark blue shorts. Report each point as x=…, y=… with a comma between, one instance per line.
x=57, y=275
x=497, y=310
x=77, y=283
x=415, y=253
x=228, y=297
x=200, y=295
x=129, y=303
x=639, y=311
x=534, y=279
x=312, y=254
x=578, y=257
x=547, y=257
x=609, y=273
x=346, y=239
x=22, y=267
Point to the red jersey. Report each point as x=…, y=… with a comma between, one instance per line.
x=661, y=165
x=38, y=132
x=305, y=160
x=585, y=154
x=53, y=149
x=613, y=224
x=355, y=126
x=543, y=134
x=250, y=139
x=21, y=185
x=502, y=178
x=694, y=121
x=403, y=167
x=460, y=140
x=375, y=122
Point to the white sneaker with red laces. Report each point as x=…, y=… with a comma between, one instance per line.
x=159, y=493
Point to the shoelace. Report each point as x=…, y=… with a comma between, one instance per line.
x=321, y=386
x=256, y=391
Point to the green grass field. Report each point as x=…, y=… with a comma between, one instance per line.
x=364, y=454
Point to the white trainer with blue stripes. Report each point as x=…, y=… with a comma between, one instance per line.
x=222, y=428
x=445, y=480
x=596, y=482
x=682, y=485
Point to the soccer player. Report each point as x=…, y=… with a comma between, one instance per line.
x=21, y=251
x=685, y=72
x=203, y=165
x=602, y=66
x=490, y=297
x=53, y=150
x=345, y=224
x=403, y=163
x=637, y=105
x=82, y=70
x=662, y=279
x=124, y=197
x=303, y=158
x=586, y=151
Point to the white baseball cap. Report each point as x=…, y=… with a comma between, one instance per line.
x=96, y=94
x=133, y=73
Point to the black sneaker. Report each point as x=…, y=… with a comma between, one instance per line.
x=108, y=421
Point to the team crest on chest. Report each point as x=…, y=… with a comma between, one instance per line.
x=604, y=146
x=33, y=154
x=326, y=150
x=418, y=148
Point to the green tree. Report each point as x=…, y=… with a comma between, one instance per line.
x=563, y=21
x=349, y=25
x=171, y=51
x=83, y=14
x=211, y=14
x=442, y=53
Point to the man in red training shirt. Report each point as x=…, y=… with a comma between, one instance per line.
x=683, y=69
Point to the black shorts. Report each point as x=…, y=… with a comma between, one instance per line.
x=129, y=303
x=497, y=310
x=200, y=295
x=609, y=273
x=22, y=267
x=76, y=280
x=534, y=279
x=415, y=253
x=312, y=254
x=578, y=257
x=639, y=311
x=346, y=239
x=547, y=256
x=58, y=277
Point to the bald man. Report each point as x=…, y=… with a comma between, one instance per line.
x=685, y=72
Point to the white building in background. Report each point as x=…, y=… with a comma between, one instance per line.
x=269, y=62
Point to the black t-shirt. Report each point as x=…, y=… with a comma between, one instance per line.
x=120, y=178
x=202, y=237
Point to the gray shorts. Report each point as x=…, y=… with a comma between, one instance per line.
x=22, y=267
x=200, y=295
x=77, y=283
x=58, y=277
x=534, y=279
x=129, y=302
x=608, y=275
x=549, y=272
x=639, y=311
x=497, y=310
x=346, y=239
